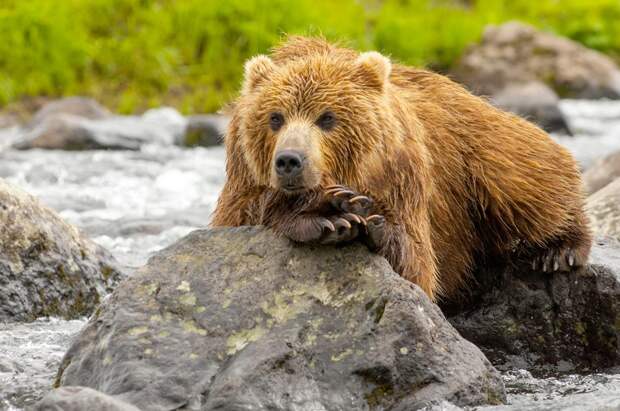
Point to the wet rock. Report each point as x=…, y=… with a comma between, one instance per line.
x=604, y=210
x=204, y=130
x=518, y=53
x=547, y=322
x=46, y=267
x=534, y=101
x=238, y=319
x=76, y=106
x=80, y=399
x=602, y=172
x=69, y=132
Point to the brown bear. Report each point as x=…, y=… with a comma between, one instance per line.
x=328, y=145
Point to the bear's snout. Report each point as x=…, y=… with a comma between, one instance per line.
x=289, y=165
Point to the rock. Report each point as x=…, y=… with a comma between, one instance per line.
x=535, y=102
x=547, y=322
x=46, y=267
x=602, y=172
x=75, y=106
x=204, y=130
x=238, y=319
x=8, y=120
x=69, y=132
x=80, y=399
x=604, y=210
x=516, y=53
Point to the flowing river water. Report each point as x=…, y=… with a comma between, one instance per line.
x=137, y=202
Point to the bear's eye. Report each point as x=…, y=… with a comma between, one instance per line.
x=327, y=121
x=276, y=120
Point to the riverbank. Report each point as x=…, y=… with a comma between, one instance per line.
x=189, y=54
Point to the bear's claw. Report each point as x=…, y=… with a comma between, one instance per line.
x=347, y=201
x=359, y=198
x=555, y=259
x=359, y=210
x=325, y=223
x=355, y=217
x=346, y=229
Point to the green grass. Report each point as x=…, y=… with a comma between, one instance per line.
x=135, y=54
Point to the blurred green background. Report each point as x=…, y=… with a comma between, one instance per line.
x=135, y=54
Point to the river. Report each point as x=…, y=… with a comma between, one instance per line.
x=136, y=202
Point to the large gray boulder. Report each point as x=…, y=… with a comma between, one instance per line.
x=47, y=268
x=515, y=53
x=547, y=322
x=239, y=319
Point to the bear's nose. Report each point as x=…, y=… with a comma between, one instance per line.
x=289, y=163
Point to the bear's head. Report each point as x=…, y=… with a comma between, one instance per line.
x=315, y=119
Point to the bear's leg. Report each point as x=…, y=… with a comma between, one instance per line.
x=411, y=257
x=350, y=202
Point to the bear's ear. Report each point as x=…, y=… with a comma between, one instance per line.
x=374, y=69
x=257, y=69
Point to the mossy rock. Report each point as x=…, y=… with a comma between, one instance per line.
x=47, y=268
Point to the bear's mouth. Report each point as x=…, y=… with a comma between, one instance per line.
x=290, y=189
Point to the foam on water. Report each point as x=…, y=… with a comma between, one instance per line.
x=29, y=358
x=133, y=203
x=596, y=129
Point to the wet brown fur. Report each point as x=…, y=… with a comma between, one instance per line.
x=456, y=178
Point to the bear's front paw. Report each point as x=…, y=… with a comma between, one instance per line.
x=563, y=258
x=345, y=227
x=348, y=201
x=332, y=229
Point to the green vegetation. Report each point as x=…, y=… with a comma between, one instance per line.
x=133, y=54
